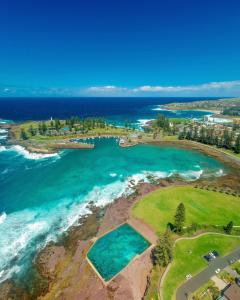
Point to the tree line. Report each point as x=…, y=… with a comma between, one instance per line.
x=72, y=124
x=210, y=137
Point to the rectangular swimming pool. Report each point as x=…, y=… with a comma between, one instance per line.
x=113, y=251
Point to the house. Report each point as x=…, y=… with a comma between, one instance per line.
x=218, y=119
x=232, y=293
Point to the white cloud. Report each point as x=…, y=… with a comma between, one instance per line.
x=200, y=87
x=222, y=88
x=106, y=89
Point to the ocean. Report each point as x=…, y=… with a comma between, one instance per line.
x=114, y=109
x=41, y=196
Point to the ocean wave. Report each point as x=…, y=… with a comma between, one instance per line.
x=143, y=122
x=160, y=108
x=3, y=217
x=219, y=173
x=7, y=274
x=3, y=131
x=5, y=171
x=113, y=174
x=2, y=148
x=24, y=152
x=191, y=174
x=3, y=137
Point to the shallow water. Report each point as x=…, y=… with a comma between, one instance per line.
x=42, y=196
x=112, y=252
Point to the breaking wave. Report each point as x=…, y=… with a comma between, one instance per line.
x=28, y=155
x=3, y=131
x=143, y=122
x=3, y=217
x=2, y=148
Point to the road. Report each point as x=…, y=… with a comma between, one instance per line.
x=200, y=279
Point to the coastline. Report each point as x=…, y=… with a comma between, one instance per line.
x=64, y=265
x=229, y=160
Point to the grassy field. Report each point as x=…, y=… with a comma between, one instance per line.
x=202, y=207
x=192, y=251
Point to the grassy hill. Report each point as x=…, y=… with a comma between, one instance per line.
x=202, y=207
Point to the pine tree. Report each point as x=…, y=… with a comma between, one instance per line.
x=237, y=145
x=163, y=252
x=23, y=134
x=229, y=227
x=31, y=130
x=179, y=217
x=44, y=127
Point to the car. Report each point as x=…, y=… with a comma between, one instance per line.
x=212, y=255
x=188, y=276
x=217, y=271
x=232, y=260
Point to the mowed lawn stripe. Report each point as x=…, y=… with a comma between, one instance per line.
x=202, y=207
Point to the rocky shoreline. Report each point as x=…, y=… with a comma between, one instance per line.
x=62, y=269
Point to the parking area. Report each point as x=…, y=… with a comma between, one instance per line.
x=215, y=266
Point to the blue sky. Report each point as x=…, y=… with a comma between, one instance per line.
x=120, y=48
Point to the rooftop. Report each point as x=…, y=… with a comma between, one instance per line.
x=233, y=292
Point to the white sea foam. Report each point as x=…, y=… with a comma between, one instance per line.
x=7, y=274
x=191, y=174
x=143, y=122
x=3, y=137
x=5, y=171
x=21, y=150
x=160, y=108
x=2, y=148
x=101, y=196
x=113, y=174
x=219, y=173
x=3, y=131
x=3, y=217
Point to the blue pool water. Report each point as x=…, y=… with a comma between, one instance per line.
x=112, y=252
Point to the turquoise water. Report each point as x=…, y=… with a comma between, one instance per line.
x=41, y=196
x=112, y=252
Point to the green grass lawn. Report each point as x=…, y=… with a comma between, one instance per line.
x=192, y=251
x=202, y=207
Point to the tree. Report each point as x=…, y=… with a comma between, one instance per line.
x=23, y=134
x=237, y=145
x=57, y=124
x=163, y=123
x=227, y=141
x=44, y=127
x=31, y=130
x=163, y=252
x=179, y=217
x=229, y=227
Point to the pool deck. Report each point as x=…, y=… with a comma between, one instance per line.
x=142, y=229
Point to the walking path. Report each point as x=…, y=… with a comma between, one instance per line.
x=198, y=280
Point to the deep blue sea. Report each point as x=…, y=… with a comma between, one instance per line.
x=114, y=109
x=41, y=196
